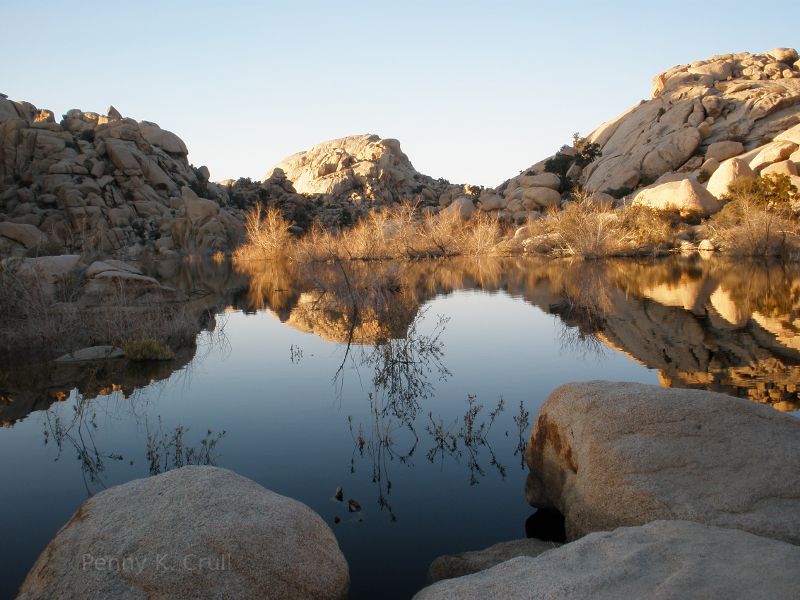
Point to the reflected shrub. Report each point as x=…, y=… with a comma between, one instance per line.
x=147, y=348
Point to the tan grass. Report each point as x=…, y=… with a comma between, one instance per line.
x=590, y=229
x=746, y=229
x=402, y=232
x=267, y=234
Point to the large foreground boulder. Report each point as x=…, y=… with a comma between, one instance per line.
x=612, y=454
x=195, y=532
x=664, y=559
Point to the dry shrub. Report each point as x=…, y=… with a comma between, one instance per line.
x=480, y=235
x=120, y=321
x=758, y=219
x=584, y=229
x=442, y=231
x=31, y=315
x=267, y=235
x=745, y=229
x=590, y=229
x=402, y=232
x=646, y=230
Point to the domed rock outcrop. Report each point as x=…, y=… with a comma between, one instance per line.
x=360, y=167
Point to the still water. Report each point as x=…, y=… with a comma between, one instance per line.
x=412, y=386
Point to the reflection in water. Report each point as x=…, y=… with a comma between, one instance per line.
x=400, y=372
x=703, y=324
x=470, y=437
x=706, y=324
x=77, y=433
x=164, y=450
x=709, y=324
x=168, y=450
x=118, y=383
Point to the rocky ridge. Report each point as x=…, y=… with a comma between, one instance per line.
x=117, y=186
x=103, y=183
x=735, y=114
x=111, y=185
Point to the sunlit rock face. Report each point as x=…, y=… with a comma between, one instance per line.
x=746, y=98
x=611, y=454
x=364, y=171
x=701, y=115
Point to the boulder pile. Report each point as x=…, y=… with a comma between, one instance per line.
x=359, y=172
x=707, y=124
x=103, y=183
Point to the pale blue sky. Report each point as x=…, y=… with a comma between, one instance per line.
x=475, y=91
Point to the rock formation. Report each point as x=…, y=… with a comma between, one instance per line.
x=743, y=106
x=363, y=166
x=198, y=532
x=730, y=99
x=359, y=172
x=608, y=455
x=105, y=184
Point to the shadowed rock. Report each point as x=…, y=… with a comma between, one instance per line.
x=659, y=561
x=449, y=566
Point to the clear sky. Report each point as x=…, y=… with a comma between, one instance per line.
x=475, y=91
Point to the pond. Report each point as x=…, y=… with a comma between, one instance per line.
x=411, y=386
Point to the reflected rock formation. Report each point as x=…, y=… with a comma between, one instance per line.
x=709, y=324
x=28, y=385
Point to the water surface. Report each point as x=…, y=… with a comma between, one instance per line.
x=412, y=386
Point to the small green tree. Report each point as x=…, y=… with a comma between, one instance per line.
x=584, y=153
x=774, y=191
